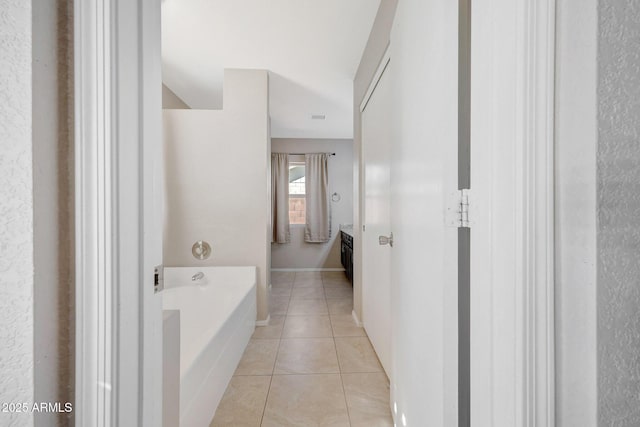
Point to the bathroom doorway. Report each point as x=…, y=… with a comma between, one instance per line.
x=121, y=247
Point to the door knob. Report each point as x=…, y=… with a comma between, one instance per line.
x=384, y=240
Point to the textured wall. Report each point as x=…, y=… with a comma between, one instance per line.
x=16, y=204
x=618, y=180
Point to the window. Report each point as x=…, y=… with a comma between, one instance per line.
x=297, y=196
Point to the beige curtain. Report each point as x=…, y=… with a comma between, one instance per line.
x=280, y=198
x=318, y=226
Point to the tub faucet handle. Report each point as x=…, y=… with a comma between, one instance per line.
x=198, y=276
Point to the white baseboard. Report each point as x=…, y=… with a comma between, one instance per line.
x=264, y=322
x=307, y=269
x=355, y=318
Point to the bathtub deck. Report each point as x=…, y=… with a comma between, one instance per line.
x=217, y=319
x=311, y=366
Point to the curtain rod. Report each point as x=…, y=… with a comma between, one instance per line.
x=302, y=154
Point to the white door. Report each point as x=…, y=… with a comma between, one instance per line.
x=424, y=171
x=376, y=258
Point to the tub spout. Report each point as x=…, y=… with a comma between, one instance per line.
x=199, y=275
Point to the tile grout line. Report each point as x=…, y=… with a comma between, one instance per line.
x=273, y=368
x=333, y=337
x=281, y=337
x=284, y=322
x=266, y=400
x=335, y=346
x=326, y=304
x=344, y=393
x=293, y=283
x=313, y=373
x=346, y=403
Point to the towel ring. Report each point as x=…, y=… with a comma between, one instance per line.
x=335, y=197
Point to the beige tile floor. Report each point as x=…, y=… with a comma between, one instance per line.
x=312, y=366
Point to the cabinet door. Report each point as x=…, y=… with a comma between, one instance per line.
x=343, y=252
x=349, y=262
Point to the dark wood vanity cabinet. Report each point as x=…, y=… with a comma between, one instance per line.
x=346, y=254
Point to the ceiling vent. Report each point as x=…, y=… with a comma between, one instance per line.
x=318, y=117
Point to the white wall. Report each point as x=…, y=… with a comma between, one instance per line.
x=170, y=100
x=16, y=207
x=218, y=182
x=298, y=253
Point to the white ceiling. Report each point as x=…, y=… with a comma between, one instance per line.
x=312, y=49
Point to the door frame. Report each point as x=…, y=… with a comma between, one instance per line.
x=382, y=66
x=118, y=376
x=117, y=61
x=512, y=276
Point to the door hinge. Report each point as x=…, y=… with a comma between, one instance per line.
x=158, y=278
x=457, y=214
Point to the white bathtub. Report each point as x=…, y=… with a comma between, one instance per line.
x=217, y=318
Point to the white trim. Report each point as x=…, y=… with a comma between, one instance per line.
x=384, y=61
x=307, y=269
x=355, y=318
x=264, y=322
x=94, y=217
x=118, y=323
x=539, y=201
x=512, y=288
x=150, y=170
